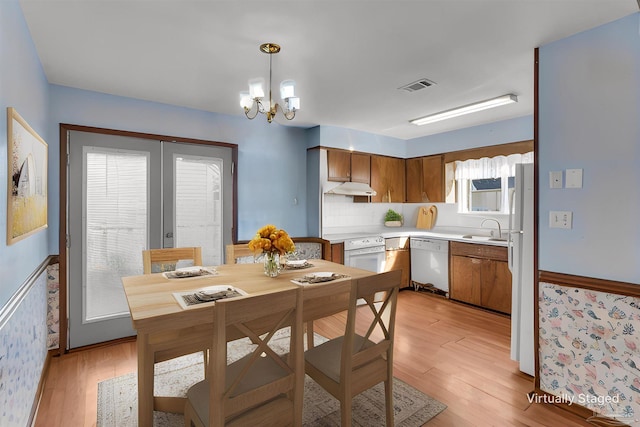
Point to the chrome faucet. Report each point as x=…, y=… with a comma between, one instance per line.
x=499, y=236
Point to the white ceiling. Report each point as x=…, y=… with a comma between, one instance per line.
x=348, y=57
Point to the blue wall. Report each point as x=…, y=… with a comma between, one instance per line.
x=24, y=87
x=349, y=139
x=271, y=157
x=590, y=119
x=502, y=132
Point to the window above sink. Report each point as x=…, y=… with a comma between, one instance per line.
x=487, y=184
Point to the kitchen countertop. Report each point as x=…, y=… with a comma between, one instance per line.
x=454, y=234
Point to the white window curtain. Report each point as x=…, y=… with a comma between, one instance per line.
x=495, y=167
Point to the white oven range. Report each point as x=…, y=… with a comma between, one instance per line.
x=367, y=253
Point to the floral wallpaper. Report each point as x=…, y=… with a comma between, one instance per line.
x=589, y=345
x=53, y=307
x=23, y=340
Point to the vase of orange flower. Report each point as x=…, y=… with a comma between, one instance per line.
x=273, y=242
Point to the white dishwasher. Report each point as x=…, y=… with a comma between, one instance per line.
x=430, y=264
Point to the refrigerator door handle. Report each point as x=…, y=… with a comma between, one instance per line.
x=509, y=239
x=511, y=248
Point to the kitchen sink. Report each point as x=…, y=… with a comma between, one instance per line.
x=483, y=238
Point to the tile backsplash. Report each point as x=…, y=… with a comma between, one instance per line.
x=341, y=214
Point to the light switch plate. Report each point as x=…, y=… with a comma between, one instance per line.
x=560, y=219
x=573, y=178
x=555, y=179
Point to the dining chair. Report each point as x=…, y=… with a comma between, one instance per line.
x=167, y=259
x=312, y=248
x=239, y=254
x=264, y=387
x=363, y=356
x=306, y=248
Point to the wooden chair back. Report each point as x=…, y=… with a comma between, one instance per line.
x=306, y=248
x=363, y=356
x=380, y=293
x=312, y=248
x=264, y=387
x=238, y=254
x=159, y=260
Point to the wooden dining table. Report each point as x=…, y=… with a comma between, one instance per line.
x=165, y=329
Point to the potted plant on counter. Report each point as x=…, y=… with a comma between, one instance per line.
x=392, y=219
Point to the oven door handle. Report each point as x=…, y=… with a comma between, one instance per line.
x=364, y=251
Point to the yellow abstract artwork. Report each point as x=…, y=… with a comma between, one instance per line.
x=27, y=180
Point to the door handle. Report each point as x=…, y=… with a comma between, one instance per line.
x=169, y=235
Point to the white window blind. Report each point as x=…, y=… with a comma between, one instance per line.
x=115, y=227
x=198, y=206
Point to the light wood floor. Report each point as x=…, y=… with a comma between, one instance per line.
x=452, y=352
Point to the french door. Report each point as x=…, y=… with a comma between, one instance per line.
x=128, y=194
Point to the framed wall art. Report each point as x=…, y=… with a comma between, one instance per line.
x=27, y=180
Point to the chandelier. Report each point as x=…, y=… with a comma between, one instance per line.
x=253, y=101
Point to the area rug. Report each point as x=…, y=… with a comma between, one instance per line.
x=118, y=405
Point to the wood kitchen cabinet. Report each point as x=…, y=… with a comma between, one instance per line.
x=345, y=166
x=361, y=168
x=337, y=253
x=388, y=179
x=425, y=179
x=398, y=257
x=480, y=275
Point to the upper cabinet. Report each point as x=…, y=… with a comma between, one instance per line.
x=425, y=179
x=388, y=179
x=345, y=166
x=339, y=163
x=361, y=168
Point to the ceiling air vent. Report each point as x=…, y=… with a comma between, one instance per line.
x=417, y=85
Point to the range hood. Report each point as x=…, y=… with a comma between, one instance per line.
x=352, y=189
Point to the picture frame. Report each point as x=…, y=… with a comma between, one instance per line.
x=27, y=160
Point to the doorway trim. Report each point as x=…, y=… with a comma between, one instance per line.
x=63, y=232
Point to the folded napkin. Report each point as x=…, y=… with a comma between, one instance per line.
x=188, y=272
x=297, y=266
x=318, y=278
x=209, y=294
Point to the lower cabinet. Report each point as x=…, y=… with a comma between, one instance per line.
x=399, y=259
x=480, y=275
x=337, y=252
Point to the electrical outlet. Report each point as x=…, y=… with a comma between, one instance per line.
x=560, y=219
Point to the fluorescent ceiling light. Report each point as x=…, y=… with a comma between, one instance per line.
x=471, y=108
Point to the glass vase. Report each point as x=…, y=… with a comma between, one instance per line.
x=272, y=264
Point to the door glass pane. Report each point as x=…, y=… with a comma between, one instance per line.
x=198, y=205
x=115, y=227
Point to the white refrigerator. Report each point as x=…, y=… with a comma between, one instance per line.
x=521, y=265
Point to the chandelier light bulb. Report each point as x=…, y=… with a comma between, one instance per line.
x=245, y=100
x=256, y=88
x=287, y=89
x=293, y=103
